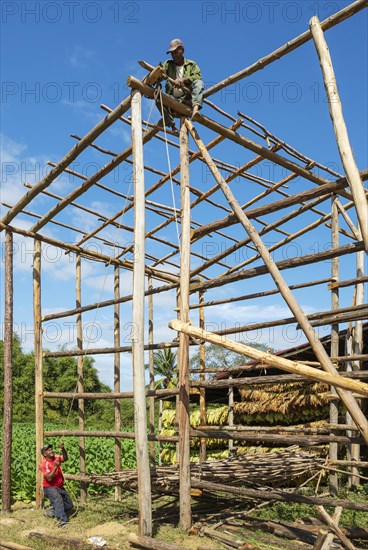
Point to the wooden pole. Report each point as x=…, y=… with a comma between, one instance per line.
x=297, y=198
x=202, y=378
x=327, y=540
x=183, y=356
x=80, y=383
x=291, y=45
x=37, y=327
x=341, y=133
x=334, y=351
x=78, y=191
x=321, y=354
x=8, y=376
x=231, y=416
x=68, y=158
x=357, y=348
x=333, y=525
x=151, y=374
x=117, y=412
x=91, y=254
x=230, y=134
x=140, y=415
x=354, y=342
x=271, y=360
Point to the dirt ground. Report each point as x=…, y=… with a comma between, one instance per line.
x=112, y=522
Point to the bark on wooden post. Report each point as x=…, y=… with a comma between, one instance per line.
x=333, y=525
x=117, y=415
x=358, y=350
x=341, y=133
x=151, y=373
x=8, y=375
x=37, y=327
x=355, y=345
x=202, y=378
x=80, y=383
x=183, y=356
x=140, y=415
x=334, y=352
x=231, y=416
x=346, y=397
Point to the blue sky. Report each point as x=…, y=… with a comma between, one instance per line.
x=60, y=60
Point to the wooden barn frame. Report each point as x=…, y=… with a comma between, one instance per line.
x=153, y=275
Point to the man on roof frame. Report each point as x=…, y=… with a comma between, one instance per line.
x=187, y=85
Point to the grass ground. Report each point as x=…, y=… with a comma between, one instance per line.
x=103, y=517
x=113, y=521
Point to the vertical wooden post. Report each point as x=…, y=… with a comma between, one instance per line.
x=334, y=352
x=8, y=375
x=151, y=373
x=341, y=133
x=117, y=412
x=37, y=327
x=231, y=417
x=80, y=383
x=356, y=348
x=140, y=414
x=184, y=442
x=177, y=397
x=202, y=377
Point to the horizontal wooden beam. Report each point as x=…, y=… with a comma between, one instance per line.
x=67, y=159
x=109, y=167
x=270, y=359
x=326, y=189
x=284, y=264
x=291, y=45
x=87, y=253
x=111, y=395
x=319, y=318
x=100, y=433
x=277, y=439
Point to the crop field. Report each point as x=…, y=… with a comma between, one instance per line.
x=99, y=458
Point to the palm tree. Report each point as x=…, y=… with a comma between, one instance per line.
x=164, y=365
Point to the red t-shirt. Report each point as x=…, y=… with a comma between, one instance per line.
x=46, y=467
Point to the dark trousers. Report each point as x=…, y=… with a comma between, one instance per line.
x=60, y=500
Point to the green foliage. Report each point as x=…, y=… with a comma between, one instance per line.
x=99, y=458
x=221, y=358
x=287, y=511
x=164, y=365
x=60, y=375
x=23, y=381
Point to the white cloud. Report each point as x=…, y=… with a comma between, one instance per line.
x=82, y=57
x=17, y=167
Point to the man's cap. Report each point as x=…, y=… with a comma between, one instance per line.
x=46, y=448
x=175, y=43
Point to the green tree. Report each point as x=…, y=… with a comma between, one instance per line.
x=23, y=381
x=164, y=365
x=217, y=357
x=59, y=375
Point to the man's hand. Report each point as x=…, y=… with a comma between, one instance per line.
x=63, y=452
x=180, y=82
x=56, y=463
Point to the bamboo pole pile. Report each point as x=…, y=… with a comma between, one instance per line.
x=274, y=469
